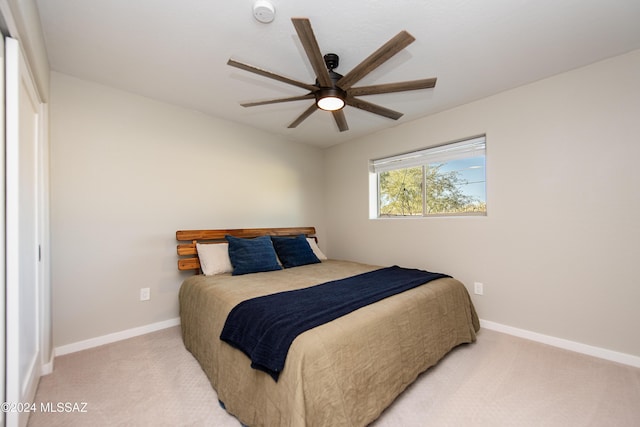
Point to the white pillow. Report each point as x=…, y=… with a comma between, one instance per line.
x=214, y=258
x=316, y=250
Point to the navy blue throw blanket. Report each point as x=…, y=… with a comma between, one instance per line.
x=264, y=327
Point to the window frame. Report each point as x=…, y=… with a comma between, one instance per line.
x=463, y=148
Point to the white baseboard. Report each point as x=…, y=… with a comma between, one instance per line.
x=47, y=368
x=602, y=353
x=116, y=336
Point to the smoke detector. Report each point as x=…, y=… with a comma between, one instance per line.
x=264, y=11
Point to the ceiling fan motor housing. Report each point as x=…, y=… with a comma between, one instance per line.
x=334, y=79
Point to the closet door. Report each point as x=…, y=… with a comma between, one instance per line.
x=2, y=238
x=24, y=290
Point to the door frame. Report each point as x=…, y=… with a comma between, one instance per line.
x=27, y=288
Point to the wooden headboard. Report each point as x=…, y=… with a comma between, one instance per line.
x=189, y=255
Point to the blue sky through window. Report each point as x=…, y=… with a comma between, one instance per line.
x=472, y=170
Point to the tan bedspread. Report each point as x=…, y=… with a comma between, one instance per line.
x=343, y=373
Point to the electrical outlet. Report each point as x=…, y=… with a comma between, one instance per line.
x=478, y=288
x=145, y=294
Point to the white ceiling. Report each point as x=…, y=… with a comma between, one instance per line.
x=176, y=51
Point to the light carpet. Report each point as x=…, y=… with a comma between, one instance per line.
x=500, y=380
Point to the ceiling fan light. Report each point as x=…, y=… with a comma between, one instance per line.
x=330, y=103
x=329, y=100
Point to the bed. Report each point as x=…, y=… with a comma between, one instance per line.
x=345, y=372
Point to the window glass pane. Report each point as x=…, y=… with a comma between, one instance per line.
x=457, y=186
x=400, y=192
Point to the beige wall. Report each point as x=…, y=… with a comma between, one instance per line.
x=559, y=249
x=127, y=172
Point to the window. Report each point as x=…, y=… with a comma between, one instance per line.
x=444, y=180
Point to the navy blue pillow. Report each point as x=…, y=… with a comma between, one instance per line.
x=294, y=251
x=252, y=255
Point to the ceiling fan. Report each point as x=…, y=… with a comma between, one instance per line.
x=332, y=91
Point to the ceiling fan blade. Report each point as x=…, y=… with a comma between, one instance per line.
x=373, y=108
x=310, y=44
x=275, y=101
x=392, y=87
x=377, y=58
x=269, y=74
x=341, y=120
x=303, y=116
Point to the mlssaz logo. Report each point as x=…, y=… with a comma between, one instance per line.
x=63, y=407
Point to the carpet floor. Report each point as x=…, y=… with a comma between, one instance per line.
x=500, y=380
